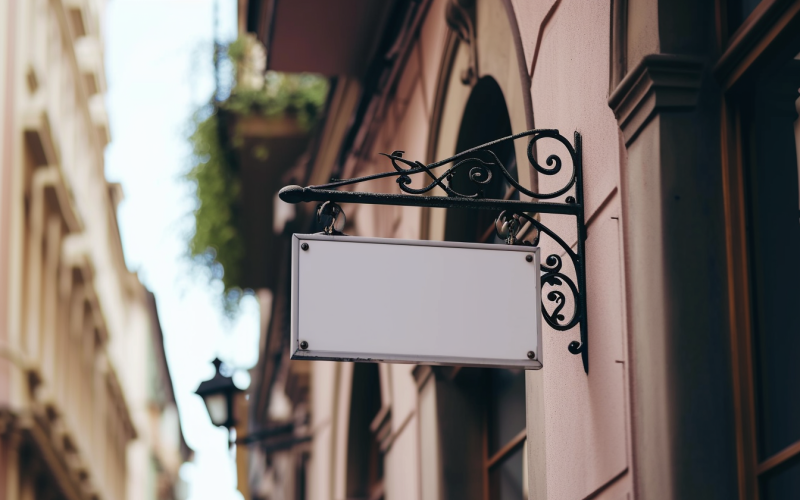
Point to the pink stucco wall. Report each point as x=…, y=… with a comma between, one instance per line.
x=586, y=417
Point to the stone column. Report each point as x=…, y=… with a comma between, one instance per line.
x=668, y=110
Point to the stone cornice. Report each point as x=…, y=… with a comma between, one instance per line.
x=660, y=82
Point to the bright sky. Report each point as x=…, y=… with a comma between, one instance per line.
x=159, y=70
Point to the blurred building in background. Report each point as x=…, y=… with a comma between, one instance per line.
x=688, y=113
x=155, y=457
x=86, y=403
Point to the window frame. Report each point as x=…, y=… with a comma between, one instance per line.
x=744, y=52
x=505, y=451
x=490, y=462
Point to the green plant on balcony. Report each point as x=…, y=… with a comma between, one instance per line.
x=216, y=243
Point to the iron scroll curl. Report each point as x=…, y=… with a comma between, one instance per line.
x=551, y=274
x=481, y=161
x=477, y=167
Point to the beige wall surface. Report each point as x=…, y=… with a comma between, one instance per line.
x=74, y=327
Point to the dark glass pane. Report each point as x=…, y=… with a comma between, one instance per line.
x=506, y=479
x=738, y=10
x=507, y=407
x=774, y=237
x=782, y=485
x=485, y=119
x=364, y=457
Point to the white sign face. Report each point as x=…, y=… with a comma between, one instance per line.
x=426, y=302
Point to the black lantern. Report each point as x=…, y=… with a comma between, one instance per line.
x=218, y=394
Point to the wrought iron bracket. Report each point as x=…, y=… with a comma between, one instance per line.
x=517, y=218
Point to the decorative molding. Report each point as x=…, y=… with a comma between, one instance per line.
x=540, y=35
x=460, y=17
x=660, y=82
x=525, y=79
x=618, y=60
x=38, y=132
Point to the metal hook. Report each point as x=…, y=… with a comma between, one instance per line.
x=513, y=227
x=328, y=215
x=507, y=227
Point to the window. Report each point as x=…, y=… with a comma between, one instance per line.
x=770, y=152
x=739, y=10
x=485, y=119
x=505, y=462
x=480, y=433
x=364, y=457
x=502, y=395
x=761, y=133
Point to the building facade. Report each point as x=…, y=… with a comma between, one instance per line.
x=688, y=116
x=71, y=313
x=156, y=456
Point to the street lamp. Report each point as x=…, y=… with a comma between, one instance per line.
x=218, y=393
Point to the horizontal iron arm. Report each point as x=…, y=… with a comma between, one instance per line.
x=297, y=194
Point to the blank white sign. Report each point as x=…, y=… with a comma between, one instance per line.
x=427, y=302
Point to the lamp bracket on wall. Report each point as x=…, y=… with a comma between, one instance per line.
x=519, y=222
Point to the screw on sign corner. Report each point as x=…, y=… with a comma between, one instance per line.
x=529, y=258
x=303, y=345
x=531, y=355
x=304, y=246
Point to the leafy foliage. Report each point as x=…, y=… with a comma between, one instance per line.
x=300, y=96
x=217, y=240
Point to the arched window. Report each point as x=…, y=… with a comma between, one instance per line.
x=481, y=412
x=472, y=422
x=485, y=119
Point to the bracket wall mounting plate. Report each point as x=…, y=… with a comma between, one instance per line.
x=481, y=164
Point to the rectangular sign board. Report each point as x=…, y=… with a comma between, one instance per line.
x=425, y=302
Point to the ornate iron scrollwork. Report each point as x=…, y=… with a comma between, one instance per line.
x=479, y=165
